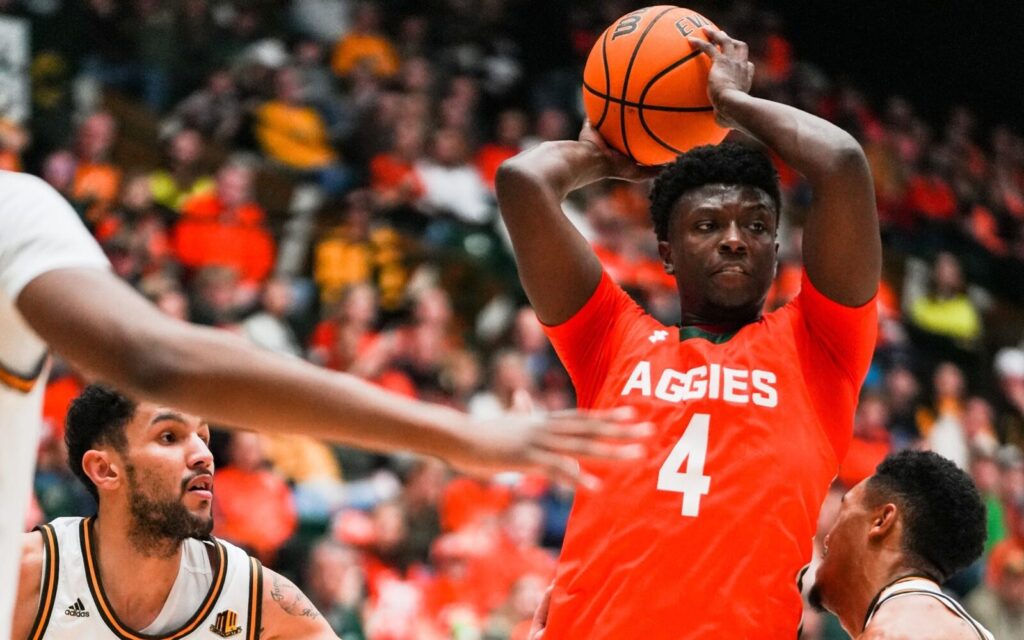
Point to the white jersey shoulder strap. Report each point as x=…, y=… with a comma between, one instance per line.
x=74, y=606
x=925, y=587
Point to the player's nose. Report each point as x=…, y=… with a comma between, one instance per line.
x=732, y=240
x=200, y=456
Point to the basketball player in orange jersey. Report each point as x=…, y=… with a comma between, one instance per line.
x=708, y=536
x=899, y=535
x=146, y=567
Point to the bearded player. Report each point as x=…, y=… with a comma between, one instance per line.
x=146, y=566
x=708, y=536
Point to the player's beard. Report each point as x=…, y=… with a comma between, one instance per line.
x=160, y=525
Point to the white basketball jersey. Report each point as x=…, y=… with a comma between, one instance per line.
x=72, y=603
x=39, y=233
x=923, y=587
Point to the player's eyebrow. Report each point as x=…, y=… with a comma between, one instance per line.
x=167, y=415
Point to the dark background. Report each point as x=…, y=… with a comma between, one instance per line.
x=937, y=54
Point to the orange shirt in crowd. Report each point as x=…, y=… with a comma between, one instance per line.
x=363, y=48
x=208, y=235
x=96, y=182
x=254, y=509
x=861, y=459
x=57, y=399
x=395, y=179
x=294, y=135
x=931, y=197
x=490, y=157
x=468, y=500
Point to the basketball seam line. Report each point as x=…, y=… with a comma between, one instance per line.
x=643, y=123
x=648, y=107
x=607, y=79
x=625, y=80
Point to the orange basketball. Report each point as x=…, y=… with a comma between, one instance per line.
x=645, y=88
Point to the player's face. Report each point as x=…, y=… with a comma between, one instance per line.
x=843, y=544
x=721, y=248
x=169, y=471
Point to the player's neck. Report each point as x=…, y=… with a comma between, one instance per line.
x=718, y=323
x=863, y=593
x=136, y=581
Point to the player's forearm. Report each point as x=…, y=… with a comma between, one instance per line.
x=216, y=375
x=818, y=149
x=561, y=166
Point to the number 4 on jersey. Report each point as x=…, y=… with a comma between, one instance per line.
x=692, y=449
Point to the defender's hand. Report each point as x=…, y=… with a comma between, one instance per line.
x=551, y=443
x=618, y=165
x=730, y=69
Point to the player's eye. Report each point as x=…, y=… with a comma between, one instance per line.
x=167, y=437
x=759, y=227
x=705, y=226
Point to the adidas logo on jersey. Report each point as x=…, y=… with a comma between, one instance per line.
x=77, y=610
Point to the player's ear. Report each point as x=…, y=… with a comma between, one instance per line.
x=103, y=468
x=883, y=521
x=665, y=251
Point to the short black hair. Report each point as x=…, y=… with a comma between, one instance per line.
x=944, y=523
x=726, y=163
x=96, y=417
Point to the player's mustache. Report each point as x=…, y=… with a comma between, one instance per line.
x=190, y=478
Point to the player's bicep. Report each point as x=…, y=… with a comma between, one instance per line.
x=557, y=267
x=288, y=613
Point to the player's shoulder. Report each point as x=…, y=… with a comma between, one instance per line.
x=16, y=181
x=917, y=617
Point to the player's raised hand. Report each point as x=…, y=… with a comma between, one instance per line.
x=552, y=443
x=730, y=68
x=619, y=166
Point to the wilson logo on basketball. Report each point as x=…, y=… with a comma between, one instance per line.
x=226, y=624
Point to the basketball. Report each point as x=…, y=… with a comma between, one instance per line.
x=645, y=87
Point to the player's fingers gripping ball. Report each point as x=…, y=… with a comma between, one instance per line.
x=645, y=87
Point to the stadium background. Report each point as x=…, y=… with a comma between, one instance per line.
x=317, y=176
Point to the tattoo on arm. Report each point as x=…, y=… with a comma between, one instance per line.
x=288, y=597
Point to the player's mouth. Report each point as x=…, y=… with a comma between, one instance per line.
x=201, y=486
x=732, y=268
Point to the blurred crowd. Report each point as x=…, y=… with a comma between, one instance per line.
x=317, y=176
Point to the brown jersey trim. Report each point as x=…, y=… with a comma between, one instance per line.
x=121, y=630
x=255, y=599
x=48, y=586
x=22, y=383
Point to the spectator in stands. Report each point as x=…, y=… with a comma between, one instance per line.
x=254, y=507
x=986, y=473
x=13, y=141
x=269, y=328
x=871, y=440
x=214, y=297
x=1009, y=369
x=999, y=605
x=365, y=45
x=165, y=292
x=336, y=586
x=134, y=232
x=214, y=110
x=452, y=185
x=512, y=127
x=182, y=176
x=226, y=227
x=942, y=423
x=512, y=620
x=510, y=388
x=945, y=317
x=294, y=135
x=393, y=175
x=59, y=172
x=97, y=180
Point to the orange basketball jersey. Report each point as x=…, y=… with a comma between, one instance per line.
x=707, y=537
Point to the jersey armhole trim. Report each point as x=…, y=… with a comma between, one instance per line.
x=255, y=599
x=48, y=585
